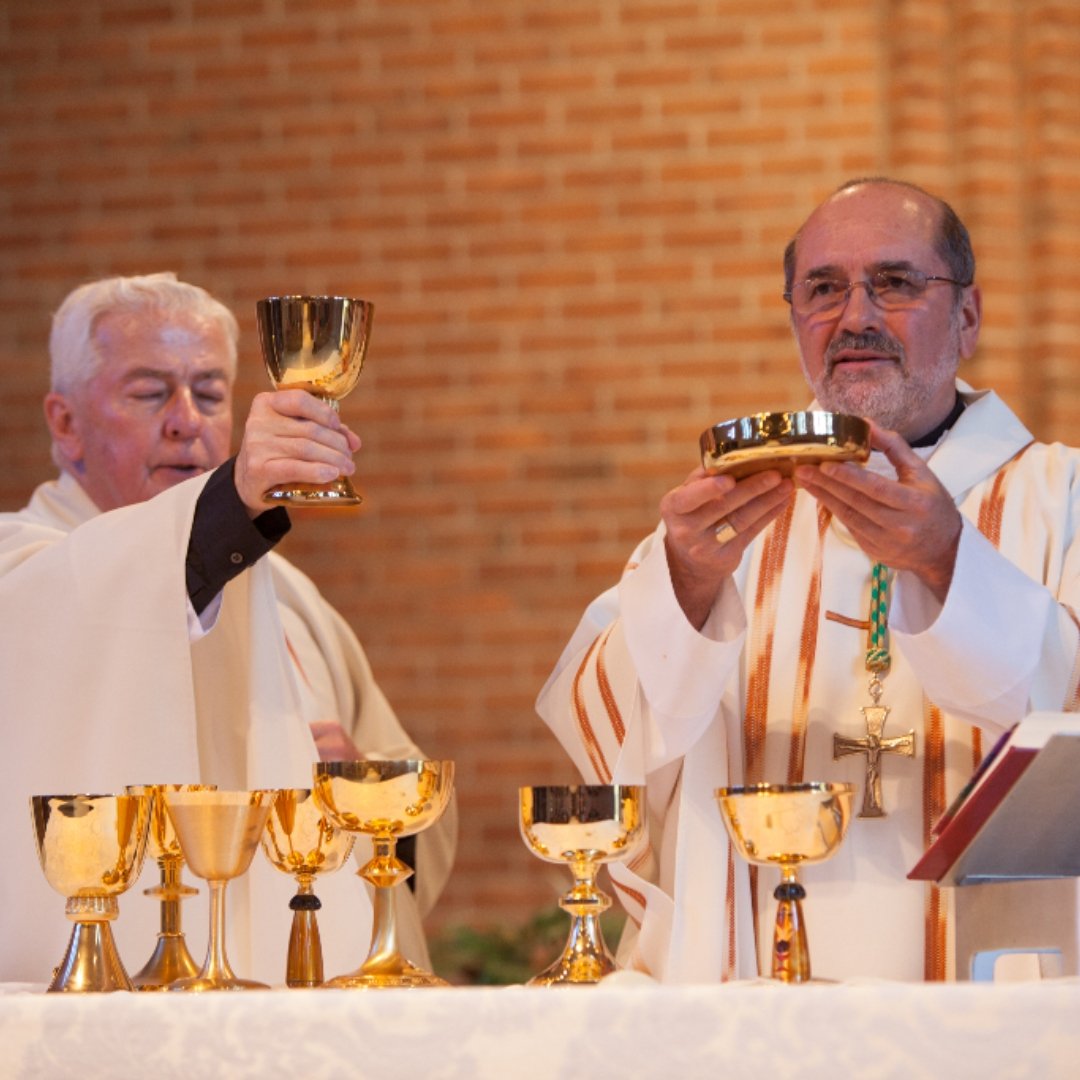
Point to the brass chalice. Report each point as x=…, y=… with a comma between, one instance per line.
x=91, y=848
x=384, y=800
x=300, y=840
x=314, y=343
x=170, y=959
x=219, y=834
x=787, y=825
x=583, y=826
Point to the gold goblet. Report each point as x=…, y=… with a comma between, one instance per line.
x=91, y=849
x=314, y=343
x=583, y=826
x=384, y=800
x=219, y=833
x=787, y=825
x=300, y=840
x=170, y=959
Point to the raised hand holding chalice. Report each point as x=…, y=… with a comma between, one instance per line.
x=317, y=344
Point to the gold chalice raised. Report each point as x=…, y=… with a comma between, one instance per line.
x=582, y=826
x=300, y=840
x=384, y=800
x=314, y=343
x=787, y=825
x=91, y=849
x=219, y=834
x=170, y=959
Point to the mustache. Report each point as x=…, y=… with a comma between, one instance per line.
x=866, y=342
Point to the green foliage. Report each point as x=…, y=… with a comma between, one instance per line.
x=507, y=955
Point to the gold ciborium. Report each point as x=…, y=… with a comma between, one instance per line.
x=170, y=959
x=219, y=834
x=384, y=800
x=91, y=849
x=317, y=344
x=786, y=825
x=300, y=840
x=582, y=826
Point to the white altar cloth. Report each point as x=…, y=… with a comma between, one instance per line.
x=628, y=1029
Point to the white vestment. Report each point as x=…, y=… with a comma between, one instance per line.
x=103, y=683
x=639, y=696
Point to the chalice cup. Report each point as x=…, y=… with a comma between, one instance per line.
x=787, y=825
x=384, y=800
x=317, y=344
x=91, y=849
x=219, y=834
x=170, y=959
x=300, y=840
x=582, y=826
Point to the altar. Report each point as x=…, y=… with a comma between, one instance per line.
x=627, y=1027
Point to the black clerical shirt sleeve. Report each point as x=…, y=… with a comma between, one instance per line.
x=224, y=540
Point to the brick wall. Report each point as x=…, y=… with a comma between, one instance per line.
x=569, y=215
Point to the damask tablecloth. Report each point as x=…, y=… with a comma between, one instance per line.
x=627, y=1029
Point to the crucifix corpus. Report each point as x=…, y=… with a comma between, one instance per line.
x=877, y=663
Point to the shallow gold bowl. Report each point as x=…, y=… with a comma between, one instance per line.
x=782, y=440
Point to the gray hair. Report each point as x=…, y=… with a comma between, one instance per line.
x=74, y=359
x=952, y=242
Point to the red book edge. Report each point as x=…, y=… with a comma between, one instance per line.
x=973, y=814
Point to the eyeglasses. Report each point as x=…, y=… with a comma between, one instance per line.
x=887, y=289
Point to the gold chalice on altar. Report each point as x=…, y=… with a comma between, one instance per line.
x=170, y=959
x=384, y=800
x=787, y=825
x=582, y=826
x=314, y=343
x=219, y=834
x=91, y=849
x=300, y=840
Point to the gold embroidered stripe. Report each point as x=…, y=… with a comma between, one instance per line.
x=606, y=693
x=800, y=706
x=759, y=666
x=936, y=940
x=588, y=736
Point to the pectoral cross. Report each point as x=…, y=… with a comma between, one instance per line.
x=873, y=746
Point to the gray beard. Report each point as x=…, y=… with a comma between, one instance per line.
x=895, y=398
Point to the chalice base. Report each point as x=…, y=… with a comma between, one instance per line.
x=585, y=960
x=339, y=492
x=203, y=983
x=91, y=963
x=169, y=963
x=403, y=976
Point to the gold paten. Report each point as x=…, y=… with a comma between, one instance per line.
x=384, y=800
x=219, y=834
x=91, y=849
x=317, y=344
x=582, y=826
x=300, y=840
x=782, y=440
x=787, y=825
x=170, y=959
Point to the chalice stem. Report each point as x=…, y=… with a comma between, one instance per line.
x=216, y=968
x=384, y=957
x=791, y=953
x=305, y=960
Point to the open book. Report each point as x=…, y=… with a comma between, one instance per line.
x=1019, y=816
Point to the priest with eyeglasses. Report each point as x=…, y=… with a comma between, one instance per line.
x=746, y=634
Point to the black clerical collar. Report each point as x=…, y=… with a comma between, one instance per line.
x=931, y=437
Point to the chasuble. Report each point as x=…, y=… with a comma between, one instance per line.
x=108, y=679
x=776, y=682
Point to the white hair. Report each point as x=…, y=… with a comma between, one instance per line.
x=73, y=357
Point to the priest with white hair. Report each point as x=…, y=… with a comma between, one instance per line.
x=151, y=636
